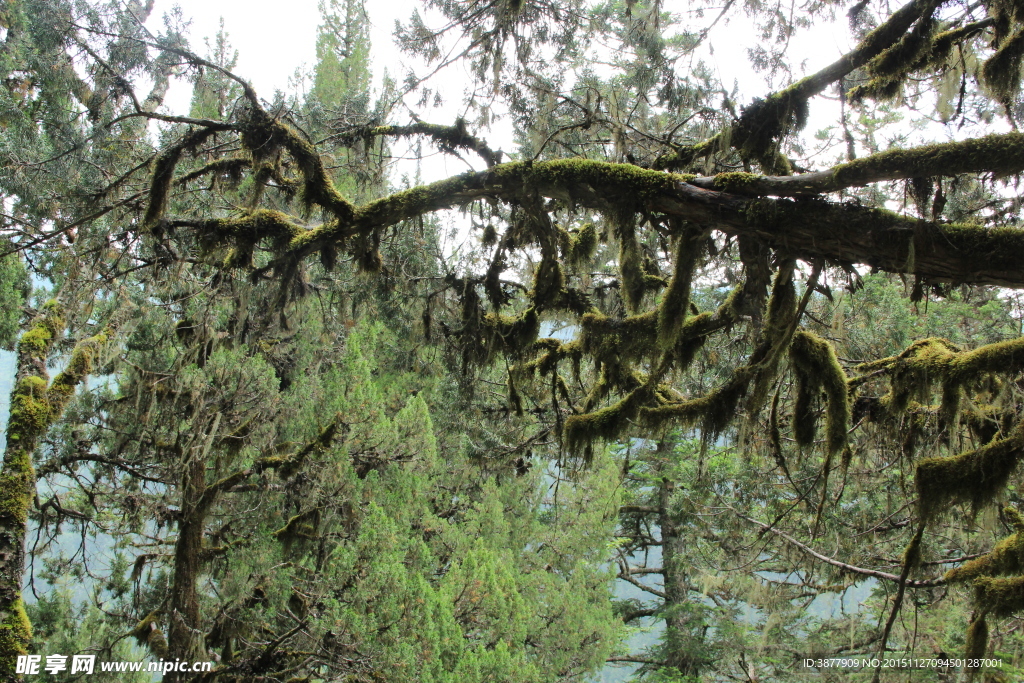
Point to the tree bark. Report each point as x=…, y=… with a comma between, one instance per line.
x=679, y=636
x=809, y=229
x=35, y=406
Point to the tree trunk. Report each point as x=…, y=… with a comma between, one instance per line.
x=185, y=638
x=34, y=407
x=679, y=638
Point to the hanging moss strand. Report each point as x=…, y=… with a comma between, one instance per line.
x=817, y=368
x=676, y=300
x=974, y=477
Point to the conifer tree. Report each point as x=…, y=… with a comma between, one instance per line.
x=625, y=195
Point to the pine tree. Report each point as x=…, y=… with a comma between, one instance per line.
x=626, y=193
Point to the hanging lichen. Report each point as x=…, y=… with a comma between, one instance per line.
x=976, y=477
x=1007, y=557
x=817, y=368
x=583, y=246
x=675, y=301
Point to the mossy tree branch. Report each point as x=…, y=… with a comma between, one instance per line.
x=1000, y=155
x=761, y=126
x=811, y=230
x=448, y=138
x=35, y=406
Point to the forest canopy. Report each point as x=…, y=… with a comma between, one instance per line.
x=676, y=383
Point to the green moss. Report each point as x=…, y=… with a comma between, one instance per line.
x=974, y=477
x=736, y=182
x=548, y=282
x=632, y=281
x=30, y=412
x=890, y=68
x=149, y=635
x=255, y=226
x=17, y=488
x=299, y=527
x=35, y=341
x=1007, y=557
x=231, y=167
x=712, y=412
x=613, y=341
x=765, y=122
x=78, y=367
x=778, y=326
x=42, y=332
x=162, y=174
x=1002, y=71
x=1000, y=597
x=817, y=367
x=263, y=135
x=676, y=301
x=901, y=58
x=490, y=236
x=937, y=361
x=511, y=334
x=583, y=246
x=620, y=180
x=977, y=639
x=15, y=636
x=1002, y=154
x=684, y=156
x=515, y=401
x=161, y=178
x=606, y=424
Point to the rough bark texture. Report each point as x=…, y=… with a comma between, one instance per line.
x=184, y=637
x=809, y=229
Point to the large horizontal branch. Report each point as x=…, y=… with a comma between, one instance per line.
x=810, y=229
x=1000, y=155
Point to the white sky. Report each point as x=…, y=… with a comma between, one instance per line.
x=254, y=24
x=289, y=28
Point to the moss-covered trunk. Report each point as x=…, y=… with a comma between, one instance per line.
x=35, y=405
x=29, y=418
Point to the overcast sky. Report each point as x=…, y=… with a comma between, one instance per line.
x=290, y=28
x=275, y=38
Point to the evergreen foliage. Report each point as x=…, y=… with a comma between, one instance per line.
x=314, y=441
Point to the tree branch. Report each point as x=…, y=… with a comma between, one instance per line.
x=928, y=583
